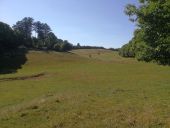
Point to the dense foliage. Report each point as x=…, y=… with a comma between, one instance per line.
x=78, y=46
x=151, y=41
x=29, y=34
x=24, y=35
x=9, y=39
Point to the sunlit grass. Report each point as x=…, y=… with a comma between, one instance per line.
x=86, y=89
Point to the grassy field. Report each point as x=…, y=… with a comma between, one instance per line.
x=85, y=89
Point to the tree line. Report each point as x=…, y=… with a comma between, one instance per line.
x=78, y=46
x=30, y=34
x=151, y=41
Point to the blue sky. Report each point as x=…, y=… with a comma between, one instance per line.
x=88, y=22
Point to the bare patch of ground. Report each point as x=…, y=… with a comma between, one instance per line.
x=23, y=77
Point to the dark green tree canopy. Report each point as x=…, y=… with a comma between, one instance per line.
x=151, y=41
x=44, y=37
x=8, y=38
x=24, y=27
x=42, y=29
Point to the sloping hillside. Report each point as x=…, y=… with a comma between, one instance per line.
x=85, y=88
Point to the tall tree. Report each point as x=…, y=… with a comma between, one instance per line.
x=46, y=30
x=42, y=29
x=50, y=40
x=153, y=37
x=25, y=27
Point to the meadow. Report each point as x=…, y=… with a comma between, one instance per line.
x=85, y=89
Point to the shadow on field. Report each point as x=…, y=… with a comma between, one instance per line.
x=11, y=62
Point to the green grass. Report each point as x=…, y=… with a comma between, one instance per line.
x=86, y=89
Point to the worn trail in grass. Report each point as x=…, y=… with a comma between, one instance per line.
x=88, y=89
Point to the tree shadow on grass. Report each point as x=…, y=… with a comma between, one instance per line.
x=10, y=63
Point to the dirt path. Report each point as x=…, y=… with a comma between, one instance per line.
x=23, y=77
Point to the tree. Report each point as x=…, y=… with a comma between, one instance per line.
x=8, y=39
x=45, y=37
x=9, y=50
x=66, y=46
x=50, y=40
x=42, y=29
x=57, y=47
x=153, y=37
x=21, y=34
x=24, y=28
x=37, y=27
x=78, y=45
